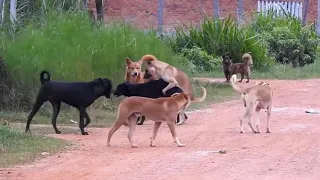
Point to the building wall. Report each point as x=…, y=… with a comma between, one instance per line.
x=143, y=13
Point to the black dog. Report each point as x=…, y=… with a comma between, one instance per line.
x=151, y=89
x=77, y=94
x=227, y=67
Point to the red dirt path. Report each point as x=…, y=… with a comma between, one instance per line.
x=291, y=151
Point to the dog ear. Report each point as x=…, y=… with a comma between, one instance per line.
x=128, y=61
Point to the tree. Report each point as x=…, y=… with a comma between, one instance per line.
x=216, y=14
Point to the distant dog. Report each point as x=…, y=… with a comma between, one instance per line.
x=168, y=73
x=77, y=94
x=151, y=89
x=227, y=67
x=235, y=68
x=255, y=98
x=159, y=110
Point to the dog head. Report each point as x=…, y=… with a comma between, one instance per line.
x=226, y=60
x=122, y=89
x=149, y=72
x=103, y=86
x=133, y=68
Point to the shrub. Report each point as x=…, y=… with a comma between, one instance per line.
x=287, y=40
x=200, y=60
x=224, y=36
x=70, y=48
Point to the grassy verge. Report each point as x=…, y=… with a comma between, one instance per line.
x=277, y=72
x=18, y=148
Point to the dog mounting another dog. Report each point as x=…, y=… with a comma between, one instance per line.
x=168, y=73
x=160, y=110
x=255, y=98
x=77, y=94
x=243, y=68
x=151, y=89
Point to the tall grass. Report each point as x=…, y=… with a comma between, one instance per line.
x=218, y=37
x=72, y=49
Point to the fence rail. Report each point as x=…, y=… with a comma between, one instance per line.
x=281, y=7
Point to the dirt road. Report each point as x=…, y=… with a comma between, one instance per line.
x=291, y=151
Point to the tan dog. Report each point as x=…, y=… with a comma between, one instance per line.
x=133, y=74
x=170, y=74
x=255, y=98
x=159, y=110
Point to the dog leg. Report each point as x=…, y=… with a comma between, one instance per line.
x=242, y=76
x=268, y=119
x=258, y=119
x=154, y=134
x=81, y=124
x=241, y=124
x=35, y=109
x=172, y=83
x=132, y=126
x=247, y=75
x=181, y=117
x=88, y=120
x=250, y=124
x=56, y=110
x=115, y=127
x=142, y=120
x=174, y=134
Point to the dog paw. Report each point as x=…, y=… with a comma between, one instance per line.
x=152, y=145
x=181, y=145
x=134, y=146
x=241, y=132
x=247, y=82
x=85, y=133
x=58, y=132
x=268, y=131
x=108, y=145
x=256, y=132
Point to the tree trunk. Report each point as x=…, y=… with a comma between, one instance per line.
x=13, y=11
x=99, y=7
x=2, y=4
x=160, y=16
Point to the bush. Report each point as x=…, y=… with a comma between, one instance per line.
x=200, y=60
x=70, y=48
x=224, y=36
x=287, y=40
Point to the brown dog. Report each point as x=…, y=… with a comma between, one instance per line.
x=170, y=74
x=159, y=110
x=235, y=68
x=255, y=98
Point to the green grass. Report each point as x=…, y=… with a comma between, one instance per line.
x=18, y=147
x=72, y=49
x=277, y=72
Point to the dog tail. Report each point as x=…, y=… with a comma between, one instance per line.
x=202, y=98
x=148, y=58
x=233, y=84
x=42, y=77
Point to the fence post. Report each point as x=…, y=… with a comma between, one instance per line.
x=160, y=16
x=305, y=12
x=84, y=4
x=318, y=19
x=240, y=11
x=216, y=12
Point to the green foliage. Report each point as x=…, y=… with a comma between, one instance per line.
x=287, y=40
x=200, y=60
x=70, y=48
x=218, y=37
x=18, y=147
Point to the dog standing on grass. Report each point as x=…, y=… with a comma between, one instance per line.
x=77, y=94
x=160, y=110
x=170, y=74
x=255, y=98
x=243, y=68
